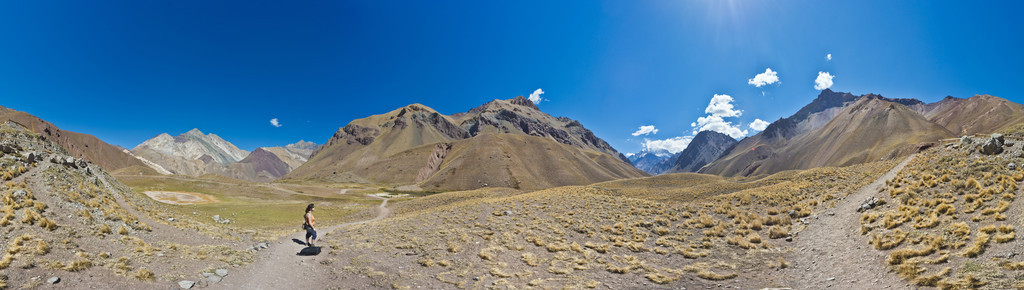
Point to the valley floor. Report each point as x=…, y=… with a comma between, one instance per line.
x=798, y=230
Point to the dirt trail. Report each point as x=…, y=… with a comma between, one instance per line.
x=831, y=253
x=288, y=264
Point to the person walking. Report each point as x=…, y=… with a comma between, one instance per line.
x=310, y=221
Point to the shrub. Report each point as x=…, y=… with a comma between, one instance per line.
x=144, y=275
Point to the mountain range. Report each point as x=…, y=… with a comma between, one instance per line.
x=194, y=153
x=508, y=143
x=839, y=129
x=704, y=148
x=512, y=143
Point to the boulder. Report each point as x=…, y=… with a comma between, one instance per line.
x=9, y=148
x=965, y=141
x=80, y=163
x=991, y=147
x=186, y=284
x=999, y=138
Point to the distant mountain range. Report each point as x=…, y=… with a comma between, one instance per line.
x=194, y=153
x=705, y=147
x=654, y=162
x=839, y=129
x=508, y=143
x=512, y=143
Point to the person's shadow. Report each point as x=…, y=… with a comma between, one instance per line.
x=307, y=251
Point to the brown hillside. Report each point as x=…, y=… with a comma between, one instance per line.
x=749, y=150
x=868, y=130
x=378, y=137
x=527, y=162
x=978, y=114
x=493, y=160
x=417, y=145
x=260, y=166
x=520, y=116
x=88, y=147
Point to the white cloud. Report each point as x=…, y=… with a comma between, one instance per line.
x=644, y=130
x=758, y=125
x=721, y=105
x=828, y=57
x=535, y=96
x=823, y=81
x=275, y=123
x=766, y=78
x=717, y=124
x=672, y=145
x=719, y=108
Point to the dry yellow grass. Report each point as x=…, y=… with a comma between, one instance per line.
x=946, y=207
x=585, y=233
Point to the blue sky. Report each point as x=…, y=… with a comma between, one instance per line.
x=126, y=71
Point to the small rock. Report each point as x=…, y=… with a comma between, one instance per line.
x=216, y=218
x=476, y=278
x=792, y=213
x=170, y=219
x=186, y=284
x=53, y=280
x=207, y=274
x=20, y=193
x=789, y=239
x=831, y=279
x=213, y=279
x=222, y=272
x=1012, y=166
x=831, y=213
x=508, y=212
x=868, y=204
x=263, y=245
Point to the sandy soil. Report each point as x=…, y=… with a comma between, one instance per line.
x=831, y=253
x=174, y=197
x=290, y=264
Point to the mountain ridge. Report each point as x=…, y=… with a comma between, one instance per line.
x=402, y=142
x=763, y=153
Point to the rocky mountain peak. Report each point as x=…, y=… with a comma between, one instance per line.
x=302, y=145
x=705, y=148
x=523, y=101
